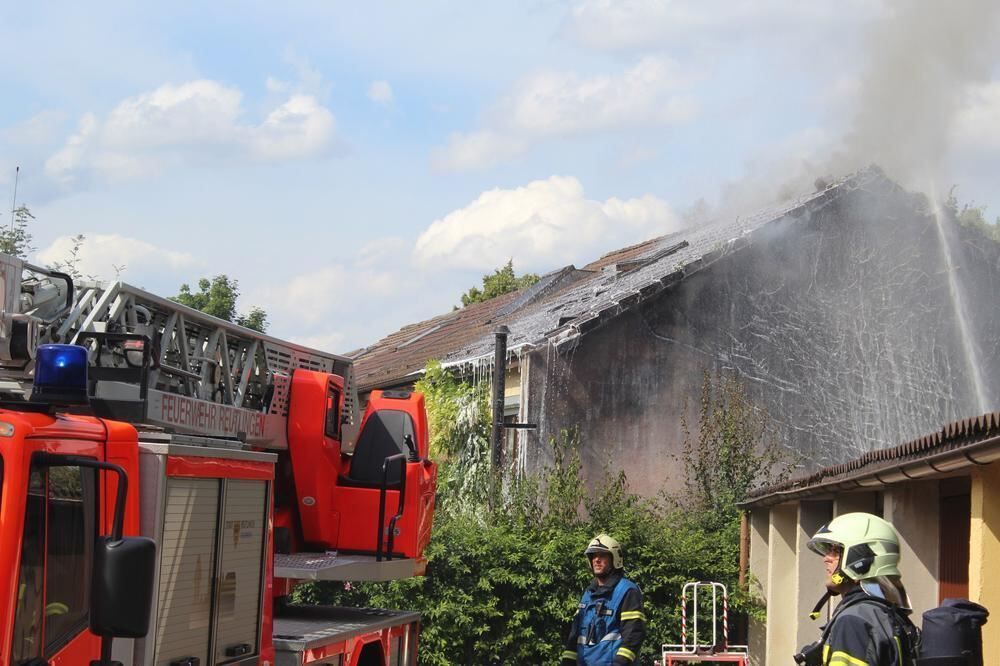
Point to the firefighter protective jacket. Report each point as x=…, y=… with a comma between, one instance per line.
x=609, y=624
x=864, y=631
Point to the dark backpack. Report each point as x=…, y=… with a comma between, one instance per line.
x=952, y=634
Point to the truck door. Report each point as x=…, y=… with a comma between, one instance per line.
x=60, y=530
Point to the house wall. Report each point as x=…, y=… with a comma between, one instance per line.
x=866, y=501
x=842, y=325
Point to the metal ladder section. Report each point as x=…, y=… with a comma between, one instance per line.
x=704, y=644
x=193, y=354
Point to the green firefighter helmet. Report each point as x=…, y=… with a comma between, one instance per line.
x=603, y=543
x=870, y=545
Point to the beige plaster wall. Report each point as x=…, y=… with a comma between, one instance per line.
x=760, y=526
x=984, y=552
x=913, y=509
x=781, y=585
x=851, y=502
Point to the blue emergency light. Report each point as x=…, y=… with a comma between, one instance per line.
x=60, y=375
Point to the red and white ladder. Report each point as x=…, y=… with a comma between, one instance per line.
x=702, y=643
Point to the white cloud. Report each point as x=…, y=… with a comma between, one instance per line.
x=636, y=24
x=322, y=294
x=543, y=225
x=337, y=307
x=25, y=144
x=476, y=150
x=308, y=79
x=192, y=123
x=382, y=252
x=553, y=103
x=636, y=155
x=326, y=342
x=138, y=260
x=42, y=128
x=545, y=104
x=277, y=86
x=311, y=297
x=300, y=127
x=606, y=24
x=380, y=92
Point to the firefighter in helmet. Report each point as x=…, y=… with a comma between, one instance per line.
x=609, y=624
x=870, y=626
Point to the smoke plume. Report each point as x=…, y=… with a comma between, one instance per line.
x=923, y=58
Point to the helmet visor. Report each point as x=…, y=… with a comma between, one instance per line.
x=824, y=546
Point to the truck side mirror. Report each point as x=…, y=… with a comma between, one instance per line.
x=121, y=590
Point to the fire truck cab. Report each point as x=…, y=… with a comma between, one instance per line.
x=167, y=479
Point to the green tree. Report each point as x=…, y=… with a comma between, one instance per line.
x=255, y=319
x=969, y=215
x=499, y=282
x=217, y=297
x=15, y=239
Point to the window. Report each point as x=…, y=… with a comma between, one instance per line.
x=333, y=413
x=69, y=552
x=28, y=619
x=59, y=534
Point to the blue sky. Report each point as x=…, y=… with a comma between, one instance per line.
x=356, y=168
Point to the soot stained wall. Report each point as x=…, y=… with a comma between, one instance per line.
x=843, y=325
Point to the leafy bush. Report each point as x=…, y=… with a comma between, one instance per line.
x=502, y=583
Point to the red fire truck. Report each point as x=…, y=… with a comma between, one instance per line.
x=167, y=478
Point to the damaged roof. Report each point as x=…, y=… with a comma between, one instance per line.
x=568, y=303
x=958, y=445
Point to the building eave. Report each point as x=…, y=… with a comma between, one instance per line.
x=953, y=449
